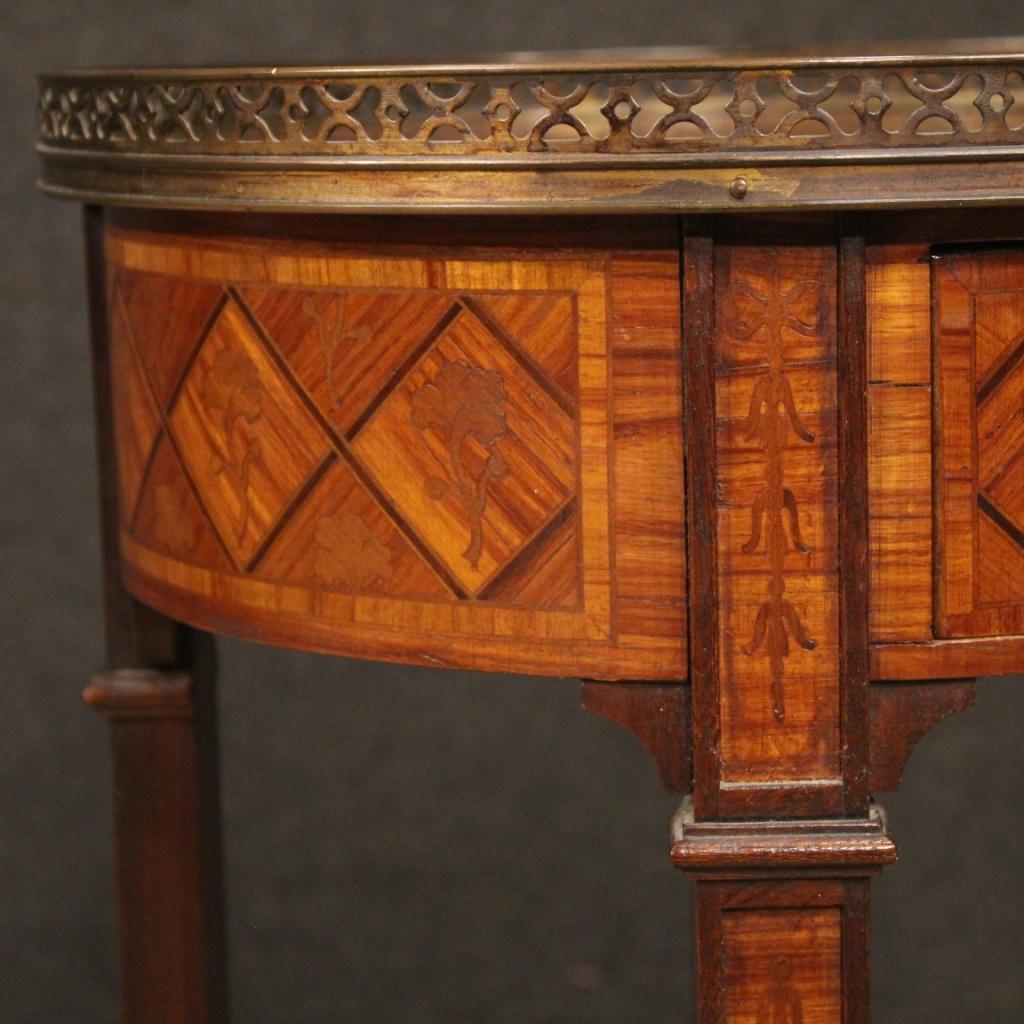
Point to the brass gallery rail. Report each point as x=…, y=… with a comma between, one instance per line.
x=453, y=111
x=645, y=136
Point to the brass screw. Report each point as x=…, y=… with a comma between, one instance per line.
x=738, y=188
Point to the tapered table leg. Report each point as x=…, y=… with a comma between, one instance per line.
x=158, y=693
x=168, y=849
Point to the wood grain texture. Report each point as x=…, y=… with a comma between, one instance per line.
x=701, y=470
x=852, y=496
x=903, y=713
x=782, y=914
x=469, y=456
x=948, y=659
x=783, y=952
x=164, y=744
x=898, y=299
x=777, y=521
x=658, y=715
x=461, y=443
x=782, y=965
x=466, y=448
x=979, y=309
x=778, y=516
x=920, y=540
x=168, y=865
x=706, y=849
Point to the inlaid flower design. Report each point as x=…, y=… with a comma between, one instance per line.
x=763, y=319
x=464, y=402
x=348, y=553
x=333, y=337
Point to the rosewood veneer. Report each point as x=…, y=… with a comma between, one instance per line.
x=700, y=378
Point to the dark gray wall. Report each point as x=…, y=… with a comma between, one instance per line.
x=404, y=845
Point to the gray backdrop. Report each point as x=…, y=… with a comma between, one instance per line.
x=405, y=845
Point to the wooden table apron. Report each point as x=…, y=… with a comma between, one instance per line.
x=722, y=415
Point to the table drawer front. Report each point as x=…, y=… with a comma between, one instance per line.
x=946, y=442
x=469, y=458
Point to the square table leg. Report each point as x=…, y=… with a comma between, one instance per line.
x=158, y=692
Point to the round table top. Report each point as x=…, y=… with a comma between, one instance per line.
x=615, y=131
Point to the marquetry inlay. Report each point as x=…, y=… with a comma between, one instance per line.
x=782, y=965
x=763, y=320
x=980, y=416
x=341, y=446
x=779, y=951
x=725, y=417
x=777, y=525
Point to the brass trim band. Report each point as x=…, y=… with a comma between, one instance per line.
x=194, y=134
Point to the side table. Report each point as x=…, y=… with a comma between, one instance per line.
x=699, y=379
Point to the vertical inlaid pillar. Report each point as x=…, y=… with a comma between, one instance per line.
x=780, y=835
x=158, y=693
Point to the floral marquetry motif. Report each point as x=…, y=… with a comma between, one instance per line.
x=347, y=553
x=777, y=525
x=340, y=539
x=339, y=336
x=465, y=403
x=773, y=414
x=724, y=416
x=343, y=346
x=483, y=452
x=347, y=449
x=247, y=441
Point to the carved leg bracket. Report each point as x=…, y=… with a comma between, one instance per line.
x=902, y=714
x=657, y=714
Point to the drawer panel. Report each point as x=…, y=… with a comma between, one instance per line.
x=979, y=404
x=407, y=442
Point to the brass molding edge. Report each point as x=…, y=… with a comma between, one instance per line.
x=187, y=132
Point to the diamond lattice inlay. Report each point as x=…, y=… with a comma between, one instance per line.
x=166, y=316
x=1001, y=440
x=384, y=448
x=343, y=345
x=340, y=538
x=475, y=447
x=248, y=441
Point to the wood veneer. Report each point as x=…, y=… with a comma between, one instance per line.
x=757, y=478
x=157, y=690
x=466, y=459
x=470, y=450
x=979, y=347
x=548, y=547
